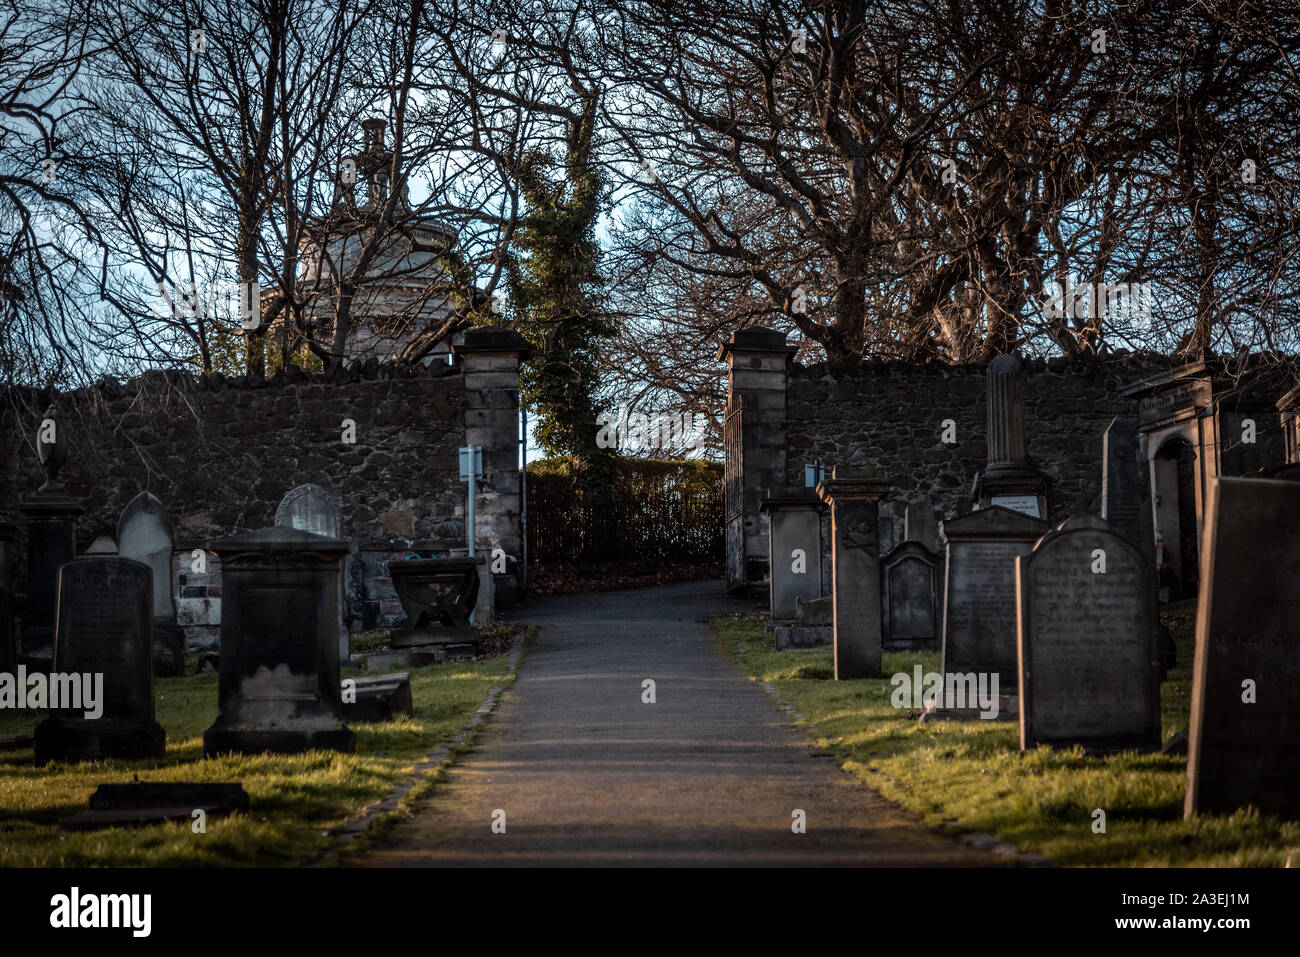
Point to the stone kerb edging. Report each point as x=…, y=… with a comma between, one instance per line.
x=345, y=834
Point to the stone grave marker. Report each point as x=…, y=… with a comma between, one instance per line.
x=794, y=553
x=853, y=496
x=103, y=545
x=909, y=598
x=979, y=596
x=8, y=653
x=145, y=533
x=1009, y=480
x=378, y=698
x=1244, y=741
x=103, y=627
x=279, y=670
x=51, y=541
x=310, y=508
x=1086, y=637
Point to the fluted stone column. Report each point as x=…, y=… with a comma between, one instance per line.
x=1009, y=479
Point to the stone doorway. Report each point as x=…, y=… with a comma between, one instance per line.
x=1175, y=483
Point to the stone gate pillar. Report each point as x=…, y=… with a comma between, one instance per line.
x=757, y=361
x=490, y=360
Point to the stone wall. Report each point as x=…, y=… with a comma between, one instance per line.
x=895, y=417
x=220, y=455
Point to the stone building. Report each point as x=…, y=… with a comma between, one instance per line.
x=400, y=293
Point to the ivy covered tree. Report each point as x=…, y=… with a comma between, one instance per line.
x=557, y=292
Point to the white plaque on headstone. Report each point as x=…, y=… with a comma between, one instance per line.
x=1024, y=504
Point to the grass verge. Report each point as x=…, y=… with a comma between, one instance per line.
x=971, y=776
x=295, y=799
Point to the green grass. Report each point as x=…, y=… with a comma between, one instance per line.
x=294, y=798
x=971, y=777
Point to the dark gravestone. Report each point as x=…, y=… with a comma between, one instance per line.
x=853, y=496
x=1244, y=753
x=103, y=628
x=979, y=603
x=51, y=541
x=140, y=803
x=279, y=677
x=909, y=598
x=145, y=533
x=8, y=659
x=438, y=596
x=1087, y=641
x=381, y=698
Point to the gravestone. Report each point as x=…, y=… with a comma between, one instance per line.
x=1009, y=479
x=794, y=549
x=103, y=628
x=141, y=803
x=145, y=533
x=909, y=598
x=8, y=654
x=1089, y=664
x=1124, y=501
x=378, y=698
x=921, y=525
x=1126, y=506
x=310, y=508
x=51, y=541
x=979, y=595
x=1244, y=741
x=853, y=496
x=279, y=671
x=103, y=545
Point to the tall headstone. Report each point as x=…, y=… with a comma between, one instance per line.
x=145, y=534
x=853, y=496
x=103, y=628
x=51, y=542
x=909, y=598
x=1244, y=741
x=795, y=556
x=920, y=524
x=979, y=596
x=1009, y=480
x=279, y=676
x=8, y=659
x=1124, y=500
x=1089, y=665
x=310, y=508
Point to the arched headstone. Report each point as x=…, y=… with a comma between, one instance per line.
x=311, y=508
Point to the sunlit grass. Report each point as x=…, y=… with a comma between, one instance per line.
x=971, y=776
x=294, y=799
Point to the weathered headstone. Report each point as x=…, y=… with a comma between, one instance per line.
x=145, y=534
x=51, y=541
x=1126, y=506
x=979, y=597
x=103, y=629
x=103, y=545
x=795, y=551
x=1009, y=480
x=310, y=508
x=1244, y=742
x=8, y=654
x=279, y=677
x=909, y=598
x=141, y=803
x=1089, y=665
x=921, y=525
x=1124, y=501
x=377, y=698
x=853, y=496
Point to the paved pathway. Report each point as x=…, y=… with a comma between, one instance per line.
x=587, y=774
